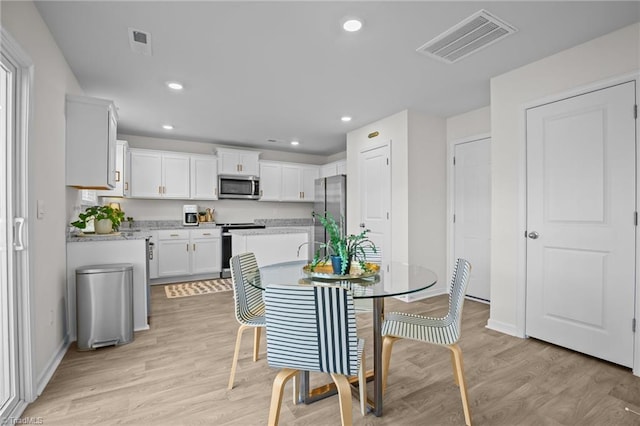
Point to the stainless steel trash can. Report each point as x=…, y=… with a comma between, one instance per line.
x=104, y=305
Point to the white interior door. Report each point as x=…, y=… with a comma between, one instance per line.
x=472, y=212
x=580, y=223
x=375, y=198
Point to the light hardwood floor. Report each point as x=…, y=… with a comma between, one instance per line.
x=177, y=373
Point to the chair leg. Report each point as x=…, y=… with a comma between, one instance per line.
x=241, y=329
x=296, y=389
x=362, y=384
x=453, y=366
x=387, y=345
x=256, y=343
x=459, y=373
x=344, y=392
x=281, y=379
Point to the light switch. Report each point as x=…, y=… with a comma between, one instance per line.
x=40, y=207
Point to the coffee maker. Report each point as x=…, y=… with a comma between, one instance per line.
x=190, y=215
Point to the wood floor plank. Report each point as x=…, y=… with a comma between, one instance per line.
x=176, y=374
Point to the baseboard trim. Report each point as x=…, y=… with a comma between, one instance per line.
x=54, y=362
x=503, y=327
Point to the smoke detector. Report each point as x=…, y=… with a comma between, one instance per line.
x=472, y=34
x=140, y=41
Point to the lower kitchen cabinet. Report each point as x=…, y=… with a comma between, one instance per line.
x=183, y=252
x=272, y=245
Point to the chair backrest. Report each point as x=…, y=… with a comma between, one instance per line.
x=248, y=299
x=457, y=290
x=311, y=328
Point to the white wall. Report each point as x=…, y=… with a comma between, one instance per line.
x=46, y=162
x=612, y=55
x=469, y=124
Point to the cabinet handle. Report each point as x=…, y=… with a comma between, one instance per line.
x=117, y=175
x=164, y=189
x=126, y=186
x=215, y=191
x=187, y=246
x=160, y=190
x=261, y=192
x=207, y=233
x=174, y=235
x=194, y=247
x=302, y=194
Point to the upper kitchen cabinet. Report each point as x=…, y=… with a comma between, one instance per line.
x=334, y=168
x=287, y=181
x=204, y=177
x=121, y=188
x=159, y=174
x=91, y=126
x=237, y=162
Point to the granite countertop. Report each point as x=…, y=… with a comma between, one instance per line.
x=118, y=236
x=270, y=231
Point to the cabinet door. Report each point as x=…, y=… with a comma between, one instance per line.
x=291, y=187
x=341, y=167
x=112, y=150
x=205, y=255
x=204, y=177
x=173, y=257
x=249, y=163
x=176, y=176
x=309, y=174
x=270, y=181
x=228, y=163
x=120, y=157
x=328, y=170
x=146, y=174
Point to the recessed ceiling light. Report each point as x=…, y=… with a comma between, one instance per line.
x=167, y=126
x=295, y=143
x=174, y=85
x=352, y=25
x=345, y=118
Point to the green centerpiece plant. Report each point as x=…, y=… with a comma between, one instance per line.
x=97, y=214
x=342, y=249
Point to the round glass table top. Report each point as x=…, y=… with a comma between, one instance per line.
x=406, y=279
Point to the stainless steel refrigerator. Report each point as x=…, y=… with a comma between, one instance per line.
x=330, y=196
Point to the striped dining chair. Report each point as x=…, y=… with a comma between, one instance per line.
x=313, y=328
x=249, y=306
x=443, y=331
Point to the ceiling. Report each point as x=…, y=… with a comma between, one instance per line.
x=259, y=71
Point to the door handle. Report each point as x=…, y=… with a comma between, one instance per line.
x=533, y=235
x=18, y=232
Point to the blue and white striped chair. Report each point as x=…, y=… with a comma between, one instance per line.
x=248, y=304
x=313, y=328
x=439, y=331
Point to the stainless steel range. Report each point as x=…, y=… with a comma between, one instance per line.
x=226, y=243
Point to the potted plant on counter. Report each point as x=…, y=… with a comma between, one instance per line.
x=342, y=249
x=106, y=219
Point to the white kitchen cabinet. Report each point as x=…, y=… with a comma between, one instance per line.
x=287, y=181
x=91, y=126
x=173, y=253
x=270, y=181
x=272, y=245
x=183, y=252
x=205, y=251
x=121, y=188
x=159, y=174
x=334, y=168
x=204, y=177
x=238, y=162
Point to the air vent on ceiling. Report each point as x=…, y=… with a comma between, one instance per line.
x=474, y=33
x=140, y=41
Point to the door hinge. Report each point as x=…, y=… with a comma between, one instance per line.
x=387, y=161
x=454, y=161
x=387, y=215
x=635, y=218
x=633, y=325
x=454, y=218
x=635, y=111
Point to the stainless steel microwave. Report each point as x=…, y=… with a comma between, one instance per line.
x=239, y=187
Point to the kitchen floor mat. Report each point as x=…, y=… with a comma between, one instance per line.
x=196, y=288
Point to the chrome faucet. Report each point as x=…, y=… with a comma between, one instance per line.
x=300, y=246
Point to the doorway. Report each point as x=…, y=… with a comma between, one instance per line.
x=472, y=212
x=17, y=384
x=581, y=223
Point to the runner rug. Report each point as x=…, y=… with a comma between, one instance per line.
x=196, y=288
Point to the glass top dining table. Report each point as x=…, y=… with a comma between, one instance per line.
x=403, y=279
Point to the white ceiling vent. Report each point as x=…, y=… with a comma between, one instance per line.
x=140, y=41
x=474, y=33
